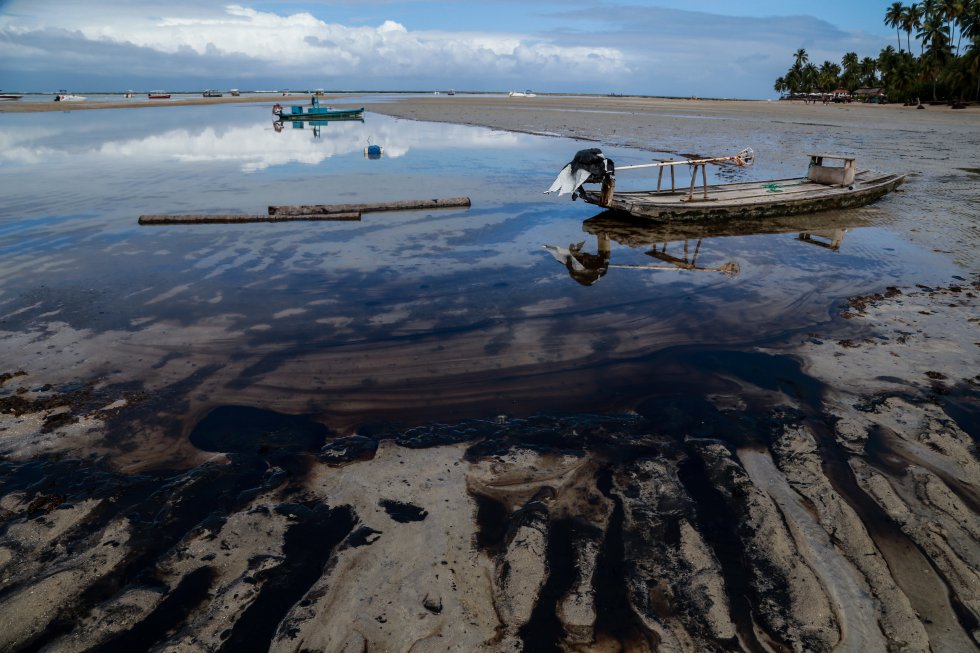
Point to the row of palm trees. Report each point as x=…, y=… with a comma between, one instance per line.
x=947, y=65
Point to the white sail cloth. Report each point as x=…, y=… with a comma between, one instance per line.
x=585, y=164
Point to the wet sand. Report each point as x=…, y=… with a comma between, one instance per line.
x=820, y=494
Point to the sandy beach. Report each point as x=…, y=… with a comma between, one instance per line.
x=781, y=518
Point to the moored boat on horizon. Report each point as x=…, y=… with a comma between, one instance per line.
x=158, y=95
x=68, y=97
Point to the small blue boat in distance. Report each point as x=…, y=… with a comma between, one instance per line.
x=316, y=112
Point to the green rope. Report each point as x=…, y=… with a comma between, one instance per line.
x=778, y=188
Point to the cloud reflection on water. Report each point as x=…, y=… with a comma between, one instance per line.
x=253, y=146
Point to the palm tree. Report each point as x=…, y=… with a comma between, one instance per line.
x=869, y=71
x=956, y=77
x=828, y=76
x=952, y=10
x=852, y=72
x=911, y=19
x=893, y=18
x=968, y=21
x=811, y=77
x=801, y=57
x=886, y=65
x=972, y=60
x=934, y=34
x=904, y=73
x=780, y=85
x=937, y=54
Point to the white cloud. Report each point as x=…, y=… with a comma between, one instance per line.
x=622, y=48
x=270, y=41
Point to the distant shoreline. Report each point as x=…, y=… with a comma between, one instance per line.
x=32, y=106
x=544, y=101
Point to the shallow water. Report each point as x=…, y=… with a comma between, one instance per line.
x=203, y=425
x=412, y=316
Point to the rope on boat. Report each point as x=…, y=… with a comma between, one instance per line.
x=778, y=188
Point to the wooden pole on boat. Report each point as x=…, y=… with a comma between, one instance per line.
x=404, y=205
x=694, y=175
x=608, y=186
x=740, y=157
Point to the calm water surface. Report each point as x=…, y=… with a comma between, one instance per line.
x=409, y=317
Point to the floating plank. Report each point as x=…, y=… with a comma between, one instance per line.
x=404, y=205
x=218, y=218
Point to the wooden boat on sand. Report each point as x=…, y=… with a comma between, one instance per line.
x=823, y=188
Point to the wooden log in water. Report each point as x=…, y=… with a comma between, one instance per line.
x=403, y=205
x=212, y=218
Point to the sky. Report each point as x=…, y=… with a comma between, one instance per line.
x=706, y=48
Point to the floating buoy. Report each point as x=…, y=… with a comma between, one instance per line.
x=373, y=152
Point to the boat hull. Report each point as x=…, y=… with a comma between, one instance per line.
x=750, y=199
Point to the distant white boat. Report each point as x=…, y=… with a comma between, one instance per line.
x=68, y=97
x=521, y=94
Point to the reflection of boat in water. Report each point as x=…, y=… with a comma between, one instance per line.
x=317, y=125
x=823, y=188
x=316, y=112
x=685, y=241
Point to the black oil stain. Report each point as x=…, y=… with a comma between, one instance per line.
x=190, y=593
x=716, y=524
x=308, y=545
x=403, y=513
x=491, y=523
x=543, y=631
x=244, y=429
x=614, y=616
